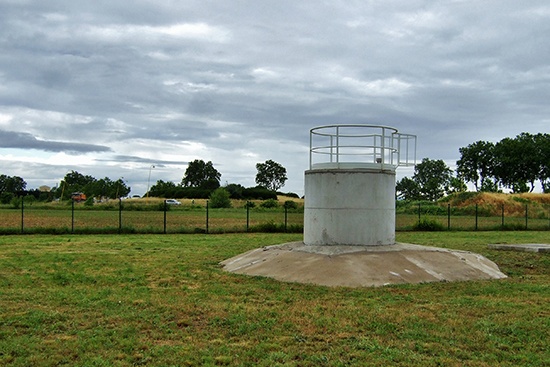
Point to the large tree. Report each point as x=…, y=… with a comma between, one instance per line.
x=76, y=182
x=433, y=178
x=516, y=162
x=542, y=143
x=476, y=163
x=407, y=189
x=271, y=175
x=162, y=189
x=12, y=184
x=202, y=175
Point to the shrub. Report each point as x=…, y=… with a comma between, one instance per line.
x=15, y=202
x=270, y=203
x=6, y=197
x=428, y=225
x=220, y=198
x=259, y=193
x=250, y=204
x=289, y=204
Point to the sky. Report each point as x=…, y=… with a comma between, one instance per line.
x=136, y=90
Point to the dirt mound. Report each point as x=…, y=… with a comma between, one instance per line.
x=493, y=203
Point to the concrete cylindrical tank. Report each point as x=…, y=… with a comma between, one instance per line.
x=350, y=194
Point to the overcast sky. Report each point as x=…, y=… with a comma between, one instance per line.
x=110, y=88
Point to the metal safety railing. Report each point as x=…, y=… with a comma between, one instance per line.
x=360, y=146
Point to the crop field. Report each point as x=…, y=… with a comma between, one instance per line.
x=163, y=300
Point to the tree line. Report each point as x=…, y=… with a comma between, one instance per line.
x=13, y=186
x=512, y=163
x=200, y=180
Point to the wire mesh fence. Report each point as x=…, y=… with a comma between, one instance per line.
x=157, y=218
x=162, y=218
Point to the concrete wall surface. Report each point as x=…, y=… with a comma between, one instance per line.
x=349, y=207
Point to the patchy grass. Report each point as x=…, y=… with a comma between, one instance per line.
x=160, y=300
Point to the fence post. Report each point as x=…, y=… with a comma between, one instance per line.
x=502, y=225
x=22, y=215
x=286, y=217
x=207, y=216
x=448, y=216
x=119, y=215
x=165, y=210
x=247, y=215
x=72, y=215
x=476, y=217
x=526, y=214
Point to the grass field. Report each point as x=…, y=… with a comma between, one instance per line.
x=163, y=300
x=191, y=220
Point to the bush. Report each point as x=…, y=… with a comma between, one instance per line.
x=250, y=204
x=289, y=204
x=258, y=193
x=428, y=225
x=15, y=202
x=270, y=203
x=220, y=198
x=5, y=197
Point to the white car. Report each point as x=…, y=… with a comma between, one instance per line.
x=172, y=202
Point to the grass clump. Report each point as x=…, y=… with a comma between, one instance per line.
x=428, y=225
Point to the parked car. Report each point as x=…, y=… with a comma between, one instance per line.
x=172, y=202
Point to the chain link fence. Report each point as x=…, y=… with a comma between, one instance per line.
x=120, y=217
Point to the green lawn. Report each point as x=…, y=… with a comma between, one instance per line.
x=163, y=300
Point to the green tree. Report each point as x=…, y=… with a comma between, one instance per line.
x=119, y=189
x=12, y=184
x=457, y=185
x=202, y=175
x=76, y=182
x=162, y=189
x=476, y=163
x=517, y=163
x=271, y=175
x=235, y=190
x=433, y=178
x=220, y=198
x=407, y=189
x=542, y=144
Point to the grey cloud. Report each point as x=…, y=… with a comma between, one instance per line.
x=10, y=139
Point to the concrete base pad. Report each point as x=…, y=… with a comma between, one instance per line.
x=529, y=247
x=362, y=266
